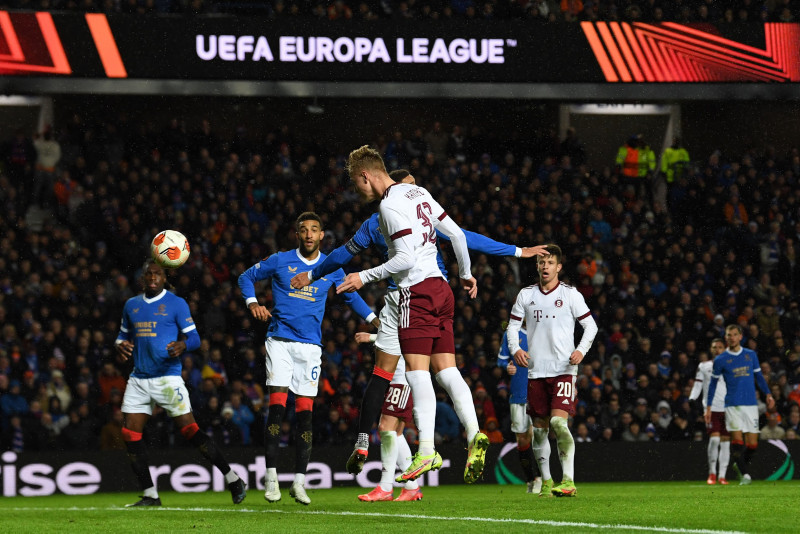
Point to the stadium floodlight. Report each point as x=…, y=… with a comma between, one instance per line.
x=314, y=108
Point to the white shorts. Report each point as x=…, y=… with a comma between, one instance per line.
x=169, y=392
x=520, y=420
x=294, y=365
x=387, y=340
x=742, y=419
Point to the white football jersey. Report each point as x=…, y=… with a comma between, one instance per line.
x=550, y=320
x=409, y=210
x=703, y=378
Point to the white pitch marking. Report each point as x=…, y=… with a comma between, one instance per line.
x=376, y=514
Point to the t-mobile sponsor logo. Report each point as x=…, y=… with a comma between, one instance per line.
x=292, y=49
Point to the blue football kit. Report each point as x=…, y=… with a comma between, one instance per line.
x=297, y=313
x=741, y=372
x=519, y=381
x=152, y=324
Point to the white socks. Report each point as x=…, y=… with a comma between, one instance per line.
x=394, y=452
x=724, y=458
x=541, y=450
x=566, y=446
x=299, y=479
x=424, y=408
x=151, y=492
x=389, y=441
x=452, y=381
x=231, y=477
x=713, y=454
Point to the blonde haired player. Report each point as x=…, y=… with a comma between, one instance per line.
x=409, y=217
x=550, y=309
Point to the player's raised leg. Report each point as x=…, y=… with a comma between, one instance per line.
x=385, y=365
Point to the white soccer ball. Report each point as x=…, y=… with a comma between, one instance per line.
x=170, y=249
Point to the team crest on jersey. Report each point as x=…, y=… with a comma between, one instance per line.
x=747, y=357
x=292, y=269
x=162, y=309
x=136, y=310
x=559, y=303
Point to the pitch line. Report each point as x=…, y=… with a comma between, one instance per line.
x=376, y=514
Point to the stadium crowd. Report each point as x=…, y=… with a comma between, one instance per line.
x=80, y=205
x=683, y=11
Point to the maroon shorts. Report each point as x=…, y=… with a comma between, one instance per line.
x=551, y=393
x=399, y=402
x=717, y=424
x=425, y=318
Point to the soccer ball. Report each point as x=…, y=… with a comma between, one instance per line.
x=170, y=249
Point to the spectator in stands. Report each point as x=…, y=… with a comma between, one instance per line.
x=773, y=429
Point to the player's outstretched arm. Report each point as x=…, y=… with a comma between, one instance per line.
x=335, y=260
x=530, y=252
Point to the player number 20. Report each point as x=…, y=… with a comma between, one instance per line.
x=564, y=389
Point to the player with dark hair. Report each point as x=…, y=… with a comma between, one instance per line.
x=387, y=345
x=157, y=328
x=719, y=439
x=521, y=422
x=741, y=371
x=550, y=309
x=294, y=343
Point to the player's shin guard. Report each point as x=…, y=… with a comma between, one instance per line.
x=303, y=434
x=206, y=446
x=527, y=462
x=713, y=454
x=566, y=446
x=424, y=408
x=541, y=450
x=724, y=458
x=373, y=400
x=458, y=390
x=272, y=428
x=137, y=454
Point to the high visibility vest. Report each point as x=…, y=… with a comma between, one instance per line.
x=674, y=162
x=647, y=161
x=628, y=159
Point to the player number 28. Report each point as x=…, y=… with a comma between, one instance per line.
x=394, y=395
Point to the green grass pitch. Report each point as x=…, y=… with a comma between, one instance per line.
x=617, y=507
